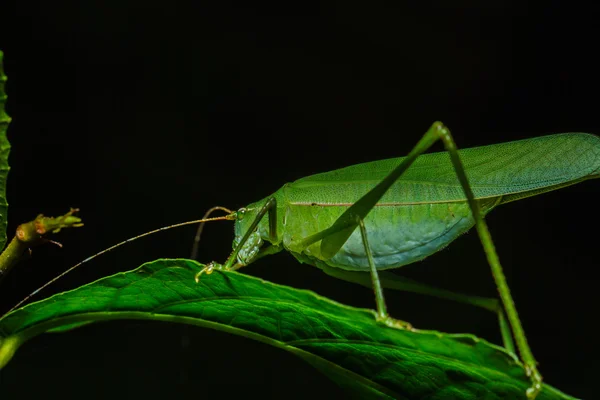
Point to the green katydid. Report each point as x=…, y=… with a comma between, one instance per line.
x=383, y=214
x=355, y=222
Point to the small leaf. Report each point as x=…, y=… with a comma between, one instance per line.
x=4, y=150
x=345, y=343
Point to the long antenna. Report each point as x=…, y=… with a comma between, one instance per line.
x=228, y=217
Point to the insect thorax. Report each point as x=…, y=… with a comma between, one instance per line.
x=245, y=217
x=250, y=249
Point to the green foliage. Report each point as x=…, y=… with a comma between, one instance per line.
x=345, y=343
x=4, y=151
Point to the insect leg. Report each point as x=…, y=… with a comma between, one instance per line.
x=270, y=207
x=334, y=237
x=273, y=249
x=231, y=263
x=497, y=272
x=396, y=282
x=382, y=314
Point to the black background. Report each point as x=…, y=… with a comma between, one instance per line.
x=144, y=114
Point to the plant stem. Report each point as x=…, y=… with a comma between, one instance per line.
x=31, y=234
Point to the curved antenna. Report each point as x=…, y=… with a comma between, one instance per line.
x=201, y=228
x=229, y=217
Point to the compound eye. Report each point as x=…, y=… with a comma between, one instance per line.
x=240, y=213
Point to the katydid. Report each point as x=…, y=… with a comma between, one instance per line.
x=382, y=215
x=356, y=222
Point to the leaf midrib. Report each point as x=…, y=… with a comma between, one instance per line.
x=101, y=316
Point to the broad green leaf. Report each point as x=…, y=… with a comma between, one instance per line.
x=4, y=150
x=345, y=343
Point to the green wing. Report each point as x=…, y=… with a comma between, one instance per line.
x=512, y=170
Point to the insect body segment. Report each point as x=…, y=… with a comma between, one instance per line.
x=400, y=235
x=249, y=249
x=425, y=209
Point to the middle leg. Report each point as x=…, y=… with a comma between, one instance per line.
x=382, y=314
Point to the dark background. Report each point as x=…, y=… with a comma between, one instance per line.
x=145, y=114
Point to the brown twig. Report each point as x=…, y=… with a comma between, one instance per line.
x=31, y=234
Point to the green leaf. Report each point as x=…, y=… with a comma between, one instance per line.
x=4, y=150
x=345, y=343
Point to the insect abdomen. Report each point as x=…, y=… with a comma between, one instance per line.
x=398, y=235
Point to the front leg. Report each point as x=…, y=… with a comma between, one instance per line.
x=248, y=249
